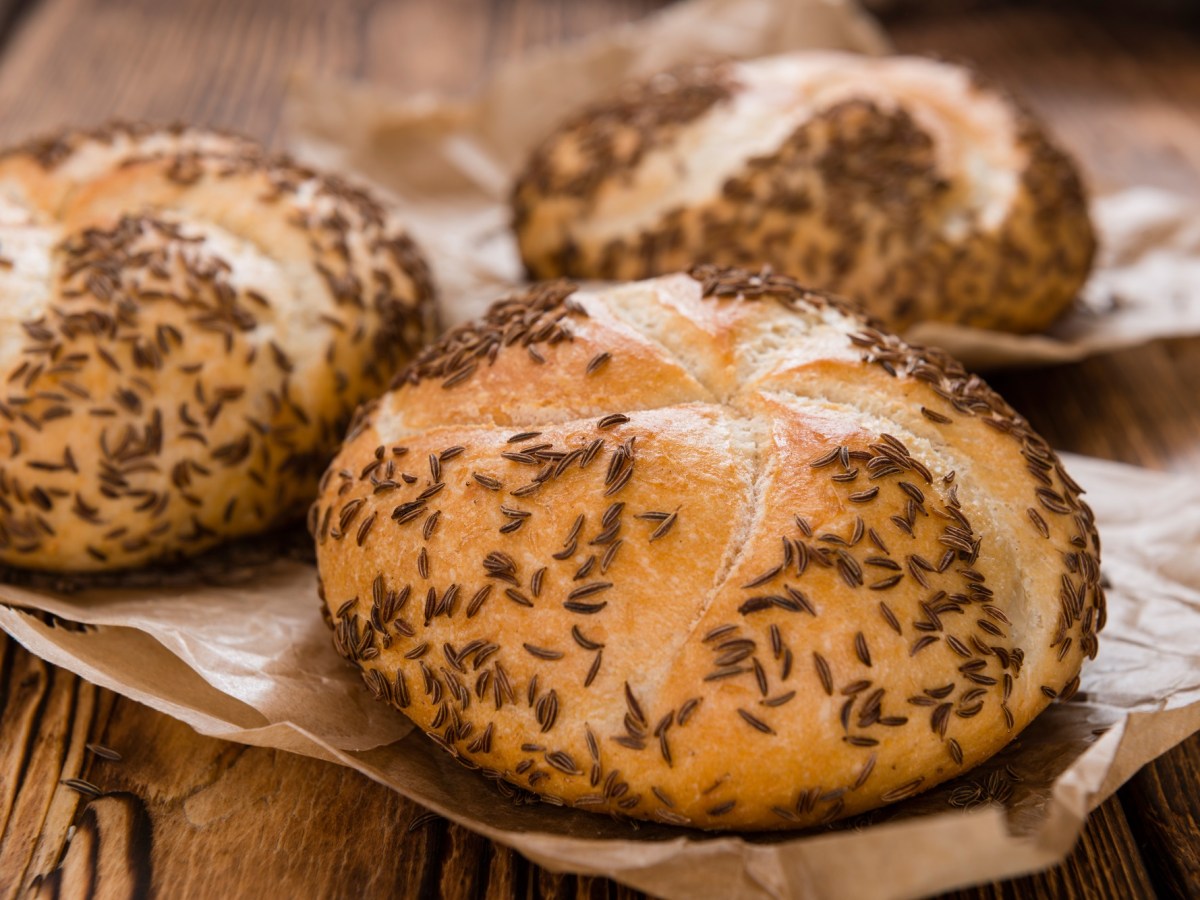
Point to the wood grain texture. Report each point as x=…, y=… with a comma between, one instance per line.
x=226, y=62
x=1162, y=808
x=184, y=816
x=1122, y=875
x=1120, y=89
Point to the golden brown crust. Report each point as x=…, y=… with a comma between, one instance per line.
x=614, y=135
x=191, y=323
x=827, y=571
x=856, y=199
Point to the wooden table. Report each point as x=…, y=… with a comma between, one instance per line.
x=187, y=816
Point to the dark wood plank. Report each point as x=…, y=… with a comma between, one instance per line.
x=227, y=814
x=226, y=62
x=195, y=817
x=1162, y=807
x=1126, y=406
x=1121, y=89
x=192, y=815
x=79, y=62
x=44, y=726
x=12, y=12
x=1105, y=865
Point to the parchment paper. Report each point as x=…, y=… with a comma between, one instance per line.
x=250, y=659
x=240, y=651
x=448, y=164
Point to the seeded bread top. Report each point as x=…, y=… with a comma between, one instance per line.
x=905, y=184
x=709, y=550
x=190, y=322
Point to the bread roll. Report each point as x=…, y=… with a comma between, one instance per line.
x=188, y=325
x=902, y=183
x=709, y=550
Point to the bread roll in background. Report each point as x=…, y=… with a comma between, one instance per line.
x=902, y=183
x=188, y=324
x=709, y=550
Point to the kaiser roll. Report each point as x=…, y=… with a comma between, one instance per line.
x=902, y=183
x=188, y=324
x=709, y=550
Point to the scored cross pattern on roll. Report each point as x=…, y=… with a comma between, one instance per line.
x=708, y=549
x=902, y=183
x=189, y=324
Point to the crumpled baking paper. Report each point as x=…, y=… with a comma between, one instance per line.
x=236, y=646
x=448, y=164
x=250, y=659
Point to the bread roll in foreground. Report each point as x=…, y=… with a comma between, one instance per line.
x=709, y=550
x=902, y=183
x=189, y=324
